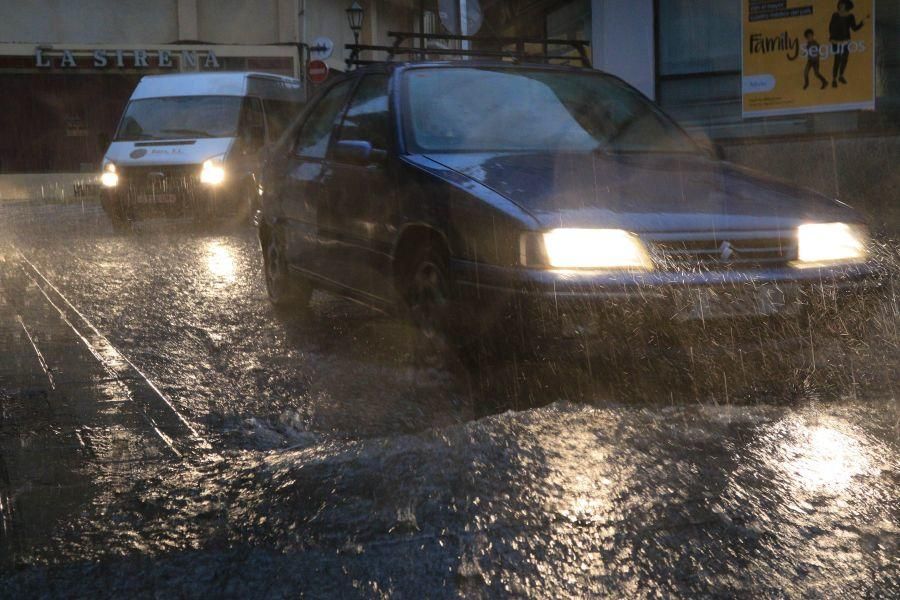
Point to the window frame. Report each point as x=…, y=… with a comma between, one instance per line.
x=389, y=133
x=353, y=81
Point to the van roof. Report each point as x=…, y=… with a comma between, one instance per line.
x=240, y=83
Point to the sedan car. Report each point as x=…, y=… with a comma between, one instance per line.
x=471, y=194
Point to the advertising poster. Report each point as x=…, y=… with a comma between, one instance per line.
x=807, y=56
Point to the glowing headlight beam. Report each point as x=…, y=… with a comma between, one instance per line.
x=821, y=244
x=212, y=173
x=109, y=178
x=595, y=249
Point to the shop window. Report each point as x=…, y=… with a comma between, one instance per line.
x=699, y=75
x=570, y=21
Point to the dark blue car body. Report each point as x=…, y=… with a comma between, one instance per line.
x=719, y=234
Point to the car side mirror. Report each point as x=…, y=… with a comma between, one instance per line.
x=358, y=152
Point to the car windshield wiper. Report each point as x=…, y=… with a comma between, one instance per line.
x=135, y=138
x=191, y=132
x=614, y=150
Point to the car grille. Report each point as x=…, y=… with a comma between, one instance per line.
x=725, y=252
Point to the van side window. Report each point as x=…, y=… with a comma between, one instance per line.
x=315, y=134
x=280, y=114
x=367, y=117
x=253, y=127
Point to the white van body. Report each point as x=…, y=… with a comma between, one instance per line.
x=159, y=141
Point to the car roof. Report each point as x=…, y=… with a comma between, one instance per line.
x=234, y=83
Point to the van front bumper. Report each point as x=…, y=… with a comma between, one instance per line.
x=135, y=201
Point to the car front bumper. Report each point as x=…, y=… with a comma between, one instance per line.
x=564, y=303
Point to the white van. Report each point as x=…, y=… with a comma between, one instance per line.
x=190, y=144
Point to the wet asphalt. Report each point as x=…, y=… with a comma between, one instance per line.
x=165, y=431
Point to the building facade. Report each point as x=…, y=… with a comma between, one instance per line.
x=67, y=69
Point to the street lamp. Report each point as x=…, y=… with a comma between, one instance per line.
x=355, y=16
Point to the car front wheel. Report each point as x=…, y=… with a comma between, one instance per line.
x=427, y=295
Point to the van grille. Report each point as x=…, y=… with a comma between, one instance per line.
x=159, y=178
x=724, y=252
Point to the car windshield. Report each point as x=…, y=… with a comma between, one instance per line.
x=180, y=117
x=521, y=110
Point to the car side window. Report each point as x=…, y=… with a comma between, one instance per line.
x=367, y=118
x=315, y=134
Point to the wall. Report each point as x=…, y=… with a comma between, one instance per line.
x=328, y=18
x=88, y=21
x=623, y=41
x=149, y=21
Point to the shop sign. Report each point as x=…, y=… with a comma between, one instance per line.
x=138, y=59
x=807, y=56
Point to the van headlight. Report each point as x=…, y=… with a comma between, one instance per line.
x=109, y=178
x=822, y=244
x=613, y=249
x=212, y=172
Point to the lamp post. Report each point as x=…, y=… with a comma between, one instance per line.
x=355, y=15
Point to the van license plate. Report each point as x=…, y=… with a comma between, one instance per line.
x=156, y=199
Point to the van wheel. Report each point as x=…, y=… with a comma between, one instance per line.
x=283, y=287
x=116, y=214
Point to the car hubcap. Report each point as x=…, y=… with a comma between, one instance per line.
x=428, y=299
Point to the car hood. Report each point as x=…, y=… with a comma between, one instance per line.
x=644, y=192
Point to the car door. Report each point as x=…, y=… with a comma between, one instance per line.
x=307, y=177
x=353, y=224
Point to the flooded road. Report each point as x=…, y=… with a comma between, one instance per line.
x=166, y=431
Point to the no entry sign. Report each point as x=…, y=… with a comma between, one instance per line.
x=317, y=71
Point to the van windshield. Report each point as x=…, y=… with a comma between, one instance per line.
x=180, y=117
x=523, y=110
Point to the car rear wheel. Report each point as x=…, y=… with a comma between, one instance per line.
x=283, y=287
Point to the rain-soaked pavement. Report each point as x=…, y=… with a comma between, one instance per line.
x=164, y=431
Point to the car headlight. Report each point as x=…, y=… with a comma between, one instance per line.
x=212, y=172
x=109, y=178
x=821, y=244
x=613, y=249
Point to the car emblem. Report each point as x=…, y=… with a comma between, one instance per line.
x=138, y=153
x=156, y=175
x=726, y=250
